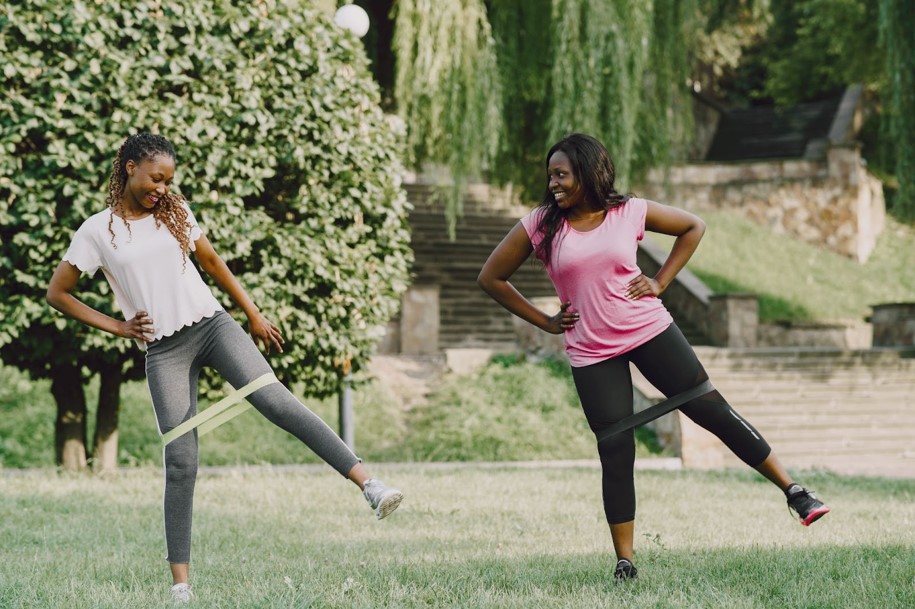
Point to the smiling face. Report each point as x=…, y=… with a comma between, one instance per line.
x=562, y=181
x=147, y=182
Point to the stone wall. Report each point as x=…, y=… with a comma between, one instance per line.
x=894, y=324
x=835, y=203
x=844, y=335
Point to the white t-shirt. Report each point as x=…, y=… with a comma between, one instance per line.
x=146, y=271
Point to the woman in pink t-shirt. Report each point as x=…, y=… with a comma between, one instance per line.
x=586, y=234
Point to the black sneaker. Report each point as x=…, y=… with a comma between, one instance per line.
x=625, y=570
x=805, y=503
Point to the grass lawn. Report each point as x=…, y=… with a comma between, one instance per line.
x=464, y=537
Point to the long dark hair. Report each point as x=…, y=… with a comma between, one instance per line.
x=169, y=210
x=593, y=169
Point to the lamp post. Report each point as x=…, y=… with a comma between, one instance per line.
x=345, y=403
x=353, y=18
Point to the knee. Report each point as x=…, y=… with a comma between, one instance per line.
x=180, y=465
x=617, y=449
x=180, y=471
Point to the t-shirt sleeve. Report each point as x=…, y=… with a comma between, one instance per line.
x=83, y=251
x=530, y=222
x=638, y=208
x=195, y=231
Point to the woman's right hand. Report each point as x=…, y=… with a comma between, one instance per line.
x=563, y=320
x=140, y=327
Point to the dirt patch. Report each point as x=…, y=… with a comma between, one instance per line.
x=409, y=378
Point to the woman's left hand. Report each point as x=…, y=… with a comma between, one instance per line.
x=643, y=286
x=265, y=331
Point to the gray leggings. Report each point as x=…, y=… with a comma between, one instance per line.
x=173, y=366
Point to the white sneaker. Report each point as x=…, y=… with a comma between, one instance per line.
x=382, y=499
x=181, y=593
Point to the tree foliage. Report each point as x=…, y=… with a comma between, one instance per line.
x=733, y=29
x=521, y=32
x=815, y=47
x=448, y=88
x=283, y=151
x=897, y=30
x=613, y=68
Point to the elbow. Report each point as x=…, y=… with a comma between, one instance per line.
x=485, y=282
x=699, y=228
x=52, y=298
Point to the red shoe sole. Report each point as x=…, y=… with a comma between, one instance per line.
x=814, y=516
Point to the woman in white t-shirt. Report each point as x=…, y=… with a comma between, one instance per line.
x=142, y=242
x=586, y=234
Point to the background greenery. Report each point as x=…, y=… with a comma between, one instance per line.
x=282, y=148
x=508, y=411
x=511, y=409
x=294, y=170
x=501, y=538
x=469, y=73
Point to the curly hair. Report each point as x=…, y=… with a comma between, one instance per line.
x=593, y=169
x=169, y=210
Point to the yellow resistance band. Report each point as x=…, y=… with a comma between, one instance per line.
x=224, y=410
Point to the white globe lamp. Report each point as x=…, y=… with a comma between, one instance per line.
x=353, y=18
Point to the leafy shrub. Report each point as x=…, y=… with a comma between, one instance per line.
x=289, y=163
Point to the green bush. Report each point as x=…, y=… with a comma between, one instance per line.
x=289, y=163
x=510, y=410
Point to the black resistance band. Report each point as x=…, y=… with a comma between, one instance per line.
x=653, y=412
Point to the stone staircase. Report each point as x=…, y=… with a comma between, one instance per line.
x=469, y=318
x=851, y=412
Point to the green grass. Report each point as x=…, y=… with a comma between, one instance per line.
x=799, y=281
x=522, y=411
x=464, y=537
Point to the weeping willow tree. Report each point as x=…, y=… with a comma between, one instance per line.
x=476, y=85
x=523, y=35
x=448, y=89
x=619, y=73
x=897, y=29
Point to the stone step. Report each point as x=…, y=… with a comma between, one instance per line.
x=795, y=389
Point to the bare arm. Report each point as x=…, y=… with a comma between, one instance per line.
x=502, y=263
x=261, y=328
x=687, y=228
x=60, y=296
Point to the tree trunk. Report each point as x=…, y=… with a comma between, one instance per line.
x=70, y=427
x=105, y=442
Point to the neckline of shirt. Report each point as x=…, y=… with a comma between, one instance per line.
x=132, y=219
x=585, y=232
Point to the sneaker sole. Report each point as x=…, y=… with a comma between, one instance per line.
x=388, y=505
x=814, y=516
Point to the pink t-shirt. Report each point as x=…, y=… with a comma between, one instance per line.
x=591, y=270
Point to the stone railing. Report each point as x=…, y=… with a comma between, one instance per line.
x=727, y=320
x=894, y=324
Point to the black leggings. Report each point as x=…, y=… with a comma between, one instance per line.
x=671, y=365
